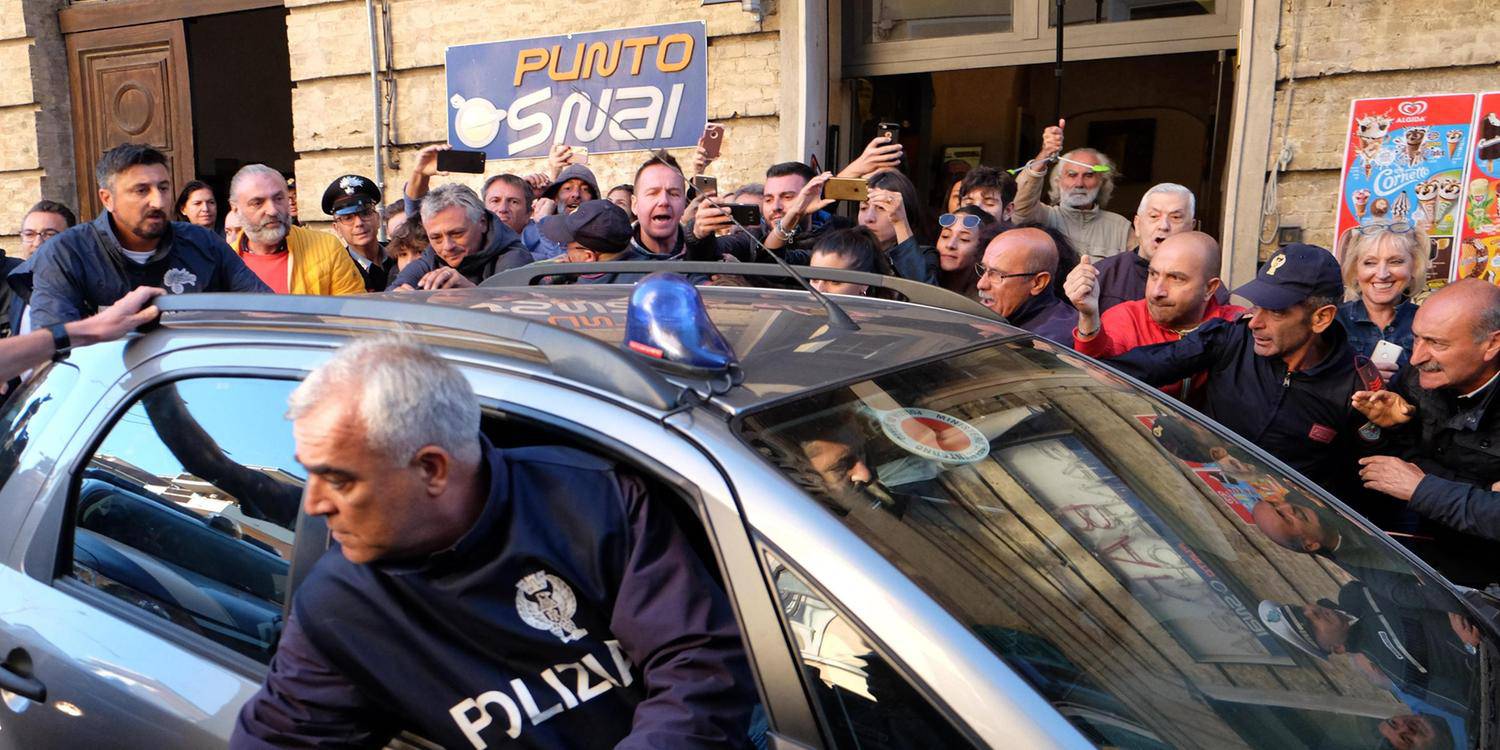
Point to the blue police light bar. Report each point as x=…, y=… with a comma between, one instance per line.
x=667, y=321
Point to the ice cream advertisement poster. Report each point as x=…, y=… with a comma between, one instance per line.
x=1479, y=237
x=1404, y=165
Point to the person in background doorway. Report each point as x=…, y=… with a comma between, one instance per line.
x=1080, y=194
x=196, y=205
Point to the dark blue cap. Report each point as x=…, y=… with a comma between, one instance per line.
x=600, y=226
x=1293, y=274
x=350, y=194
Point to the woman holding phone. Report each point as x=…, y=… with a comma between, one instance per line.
x=893, y=213
x=1384, y=265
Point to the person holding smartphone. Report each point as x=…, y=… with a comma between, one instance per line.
x=1384, y=264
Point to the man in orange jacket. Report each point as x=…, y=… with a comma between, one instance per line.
x=1180, y=295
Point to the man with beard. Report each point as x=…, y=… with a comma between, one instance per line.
x=467, y=243
x=793, y=218
x=1080, y=194
x=1281, y=377
x=1166, y=209
x=1180, y=294
x=131, y=244
x=289, y=259
x=1016, y=280
x=510, y=197
x=1444, y=431
x=352, y=200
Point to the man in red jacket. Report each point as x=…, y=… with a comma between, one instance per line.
x=1180, y=289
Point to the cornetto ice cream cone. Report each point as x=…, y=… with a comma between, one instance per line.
x=1361, y=200
x=1453, y=137
x=1448, y=193
x=1427, y=198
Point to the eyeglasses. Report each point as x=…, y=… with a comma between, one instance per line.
x=966, y=221
x=31, y=235
x=979, y=268
x=351, y=218
x=1376, y=227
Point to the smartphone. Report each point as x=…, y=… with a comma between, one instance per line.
x=578, y=155
x=712, y=139
x=1386, y=353
x=847, y=189
x=454, y=160
x=891, y=130
x=745, y=214
x=705, y=184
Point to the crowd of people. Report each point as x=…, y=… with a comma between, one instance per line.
x=1335, y=368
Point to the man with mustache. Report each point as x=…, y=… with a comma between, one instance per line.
x=289, y=259
x=1181, y=293
x=1080, y=194
x=1443, y=430
x=132, y=243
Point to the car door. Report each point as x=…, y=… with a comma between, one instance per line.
x=145, y=592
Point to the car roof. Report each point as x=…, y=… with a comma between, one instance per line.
x=781, y=337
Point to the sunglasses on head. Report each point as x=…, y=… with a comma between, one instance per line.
x=966, y=221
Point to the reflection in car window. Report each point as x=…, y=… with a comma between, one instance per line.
x=863, y=702
x=30, y=408
x=186, y=509
x=1157, y=581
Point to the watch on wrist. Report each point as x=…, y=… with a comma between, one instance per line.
x=62, y=344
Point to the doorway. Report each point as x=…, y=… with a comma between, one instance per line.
x=209, y=88
x=1161, y=118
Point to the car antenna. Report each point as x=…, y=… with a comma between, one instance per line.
x=838, y=320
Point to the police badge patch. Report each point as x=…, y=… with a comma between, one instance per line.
x=545, y=602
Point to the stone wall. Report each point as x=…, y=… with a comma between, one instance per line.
x=1334, y=51
x=35, y=113
x=331, y=102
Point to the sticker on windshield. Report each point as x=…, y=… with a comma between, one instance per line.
x=934, y=435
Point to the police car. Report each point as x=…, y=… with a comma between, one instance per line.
x=936, y=529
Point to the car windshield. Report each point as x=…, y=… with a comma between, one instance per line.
x=1160, y=582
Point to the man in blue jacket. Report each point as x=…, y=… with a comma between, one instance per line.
x=1281, y=377
x=534, y=597
x=131, y=244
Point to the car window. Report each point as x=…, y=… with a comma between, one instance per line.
x=1159, y=581
x=186, y=509
x=862, y=701
x=30, y=408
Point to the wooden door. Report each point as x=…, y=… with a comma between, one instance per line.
x=130, y=85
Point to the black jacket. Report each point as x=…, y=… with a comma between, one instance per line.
x=502, y=251
x=1303, y=418
x=909, y=259
x=573, y=614
x=1457, y=443
x=11, y=300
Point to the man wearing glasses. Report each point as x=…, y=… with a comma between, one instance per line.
x=351, y=201
x=1016, y=281
x=42, y=222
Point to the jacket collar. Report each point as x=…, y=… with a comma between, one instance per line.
x=1036, y=307
x=106, y=225
x=1358, y=313
x=678, y=246
x=479, y=536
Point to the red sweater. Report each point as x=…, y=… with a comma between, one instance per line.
x=1129, y=325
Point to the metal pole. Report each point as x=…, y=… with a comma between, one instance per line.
x=1057, y=72
x=376, y=130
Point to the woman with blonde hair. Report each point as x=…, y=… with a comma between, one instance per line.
x=1384, y=265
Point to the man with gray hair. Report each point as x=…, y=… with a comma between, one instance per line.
x=467, y=244
x=132, y=243
x=1440, y=424
x=289, y=259
x=1081, y=185
x=1166, y=209
x=469, y=586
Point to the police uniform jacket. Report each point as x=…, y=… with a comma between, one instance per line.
x=502, y=251
x=84, y=269
x=1303, y=418
x=1417, y=649
x=572, y=615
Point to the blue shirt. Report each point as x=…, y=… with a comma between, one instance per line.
x=1364, y=334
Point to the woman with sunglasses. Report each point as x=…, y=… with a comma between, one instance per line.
x=1384, y=265
x=962, y=236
